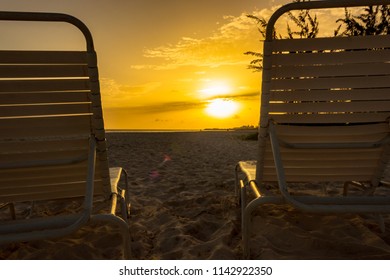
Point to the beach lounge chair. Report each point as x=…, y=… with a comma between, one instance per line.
x=52, y=139
x=324, y=117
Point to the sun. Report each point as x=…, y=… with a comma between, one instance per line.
x=222, y=108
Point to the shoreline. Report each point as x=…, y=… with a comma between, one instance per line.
x=180, y=130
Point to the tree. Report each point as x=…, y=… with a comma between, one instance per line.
x=306, y=27
x=373, y=21
x=256, y=64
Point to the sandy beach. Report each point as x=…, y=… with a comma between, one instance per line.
x=184, y=207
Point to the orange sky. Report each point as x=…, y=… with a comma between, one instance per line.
x=164, y=64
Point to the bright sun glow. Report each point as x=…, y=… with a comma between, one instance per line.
x=222, y=108
x=217, y=88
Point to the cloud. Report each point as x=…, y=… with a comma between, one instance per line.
x=240, y=96
x=224, y=47
x=115, y=94
x=176, y=106
x=236, y=96
x=164, y=107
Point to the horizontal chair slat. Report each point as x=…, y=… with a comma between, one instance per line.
x=346, y=161
x=44, y=85
x=8, y=185
x=66, y=190
x=41, y=71
x=357, y=154
x=60, y=126
x=44, y=176
x=333, y=43
x=271, y=177
x=43, y=97
x=330, y=58
x=46, y=171
x=42, y=110
x=331, y=130
x=38, y=156
x=348, y=139
x=324, y=171
x=49, y=145
x=337, y=70
x=34, y=179
x=358, y=106
x=325, y=163
x=43, y=57
x=330, y=95
x=331, y=83
x=330, y=118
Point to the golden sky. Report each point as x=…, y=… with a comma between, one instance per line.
x=164, y=64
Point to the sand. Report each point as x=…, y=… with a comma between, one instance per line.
x=184, y=207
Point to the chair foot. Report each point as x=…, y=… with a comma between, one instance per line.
x=124, y=228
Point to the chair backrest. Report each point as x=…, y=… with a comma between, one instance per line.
x=49, y=109
x=329, y=93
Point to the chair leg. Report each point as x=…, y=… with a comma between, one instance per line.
x=245, y=217
x=125, y=206
x=122, y=223
x=245, y=227
x=123, y=226
x=237, y=185
x=126, y=193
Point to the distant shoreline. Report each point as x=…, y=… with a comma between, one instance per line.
x=180, y=130
x=150, y=130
